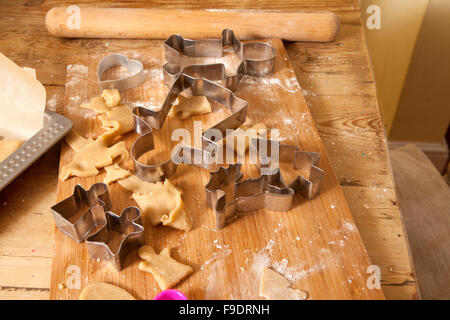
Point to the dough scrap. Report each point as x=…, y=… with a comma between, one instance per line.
x=111, y=97
x=115, y=120
x=160, y=203
x=274, y=286
x=239, y=139
x=7, y=147
x=167, y=271
x=92, y=155
x=191, y=106
x=104, y=291
x=164, y=205
x=76, y=141
x=128, y=180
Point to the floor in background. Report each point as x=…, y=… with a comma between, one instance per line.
x=424, y=199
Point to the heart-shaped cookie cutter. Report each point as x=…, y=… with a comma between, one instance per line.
x=134, y=67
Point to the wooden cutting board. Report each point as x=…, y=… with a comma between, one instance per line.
x=315, y=245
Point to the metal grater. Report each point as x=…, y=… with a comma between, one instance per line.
x=55, y=128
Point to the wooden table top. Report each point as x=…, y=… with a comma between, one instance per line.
x=339, y=87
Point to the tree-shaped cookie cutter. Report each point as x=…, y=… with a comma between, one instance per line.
x=98, y=202
x=268, y=190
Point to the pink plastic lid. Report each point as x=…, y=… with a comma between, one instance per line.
x=170, y=294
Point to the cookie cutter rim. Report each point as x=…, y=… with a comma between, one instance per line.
x=98, y=200
x=266, y=191
x=136, y=68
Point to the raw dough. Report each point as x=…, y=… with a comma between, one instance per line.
x=111, y=96
x=164, y=205
x=167, y=271
x=159, y=202
x=115, y=120
x=192, y=106
x=75, y=141
x=92, y=156
x=239, y=139
x=22, y=101
x=274, y=286
x=7, y=147
x=104, y=291
x=128, y=180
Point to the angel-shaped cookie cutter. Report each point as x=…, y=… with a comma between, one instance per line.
x=98, y=202
x=268, y=190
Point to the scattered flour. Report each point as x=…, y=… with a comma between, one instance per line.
x=349, y=226
x=51, y=103
x=77, y=68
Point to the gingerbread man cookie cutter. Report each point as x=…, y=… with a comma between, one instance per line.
x=129, y=225
x=98, y=203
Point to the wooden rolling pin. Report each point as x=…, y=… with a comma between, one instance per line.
x=194, y=24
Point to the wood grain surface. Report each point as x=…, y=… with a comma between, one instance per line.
x=316, y=244
x=339, y=88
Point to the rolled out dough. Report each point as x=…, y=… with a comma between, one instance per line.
x=104, y=291
x=22, y=101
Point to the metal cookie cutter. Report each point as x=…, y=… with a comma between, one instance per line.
x=268, y=190
x=145, y=120
x=98, y=201
x=129, y=225
x=134, y=67
x=257, y=58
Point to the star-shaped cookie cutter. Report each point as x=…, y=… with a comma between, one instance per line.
x=129, y=225
x=98, y=203
x=268, y=190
